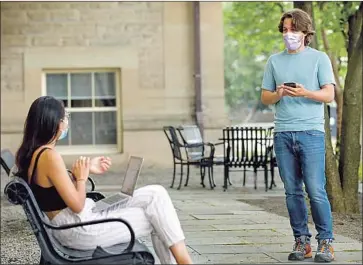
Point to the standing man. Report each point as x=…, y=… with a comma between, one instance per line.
x=299, y=80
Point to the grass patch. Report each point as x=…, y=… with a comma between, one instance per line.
x=360, y=172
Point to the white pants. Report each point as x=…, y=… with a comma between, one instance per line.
x=150, y=212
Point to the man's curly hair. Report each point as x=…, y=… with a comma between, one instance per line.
x=301, y=22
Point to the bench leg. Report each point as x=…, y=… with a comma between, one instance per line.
x=244, y=176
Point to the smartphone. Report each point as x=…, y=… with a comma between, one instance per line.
x=290, y=84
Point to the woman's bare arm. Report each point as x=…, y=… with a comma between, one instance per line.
x=74, y=195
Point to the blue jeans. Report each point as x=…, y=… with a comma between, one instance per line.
x=301, y=159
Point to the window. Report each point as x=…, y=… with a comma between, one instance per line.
x=91, y=100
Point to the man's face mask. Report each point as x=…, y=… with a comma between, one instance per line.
x=293, y=41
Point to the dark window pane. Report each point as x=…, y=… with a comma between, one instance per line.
x=105, y=90
x=106, y=127
x=81, y=128
x=56, y=85
x=81, y=90
x=105, y=102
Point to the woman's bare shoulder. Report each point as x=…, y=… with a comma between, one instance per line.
x=41, y=165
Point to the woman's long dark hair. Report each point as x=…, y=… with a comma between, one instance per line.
x=40, y=128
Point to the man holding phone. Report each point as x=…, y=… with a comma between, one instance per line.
x=298, y=81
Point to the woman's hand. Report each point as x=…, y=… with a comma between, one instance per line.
x=81, y=168
x=100, y=164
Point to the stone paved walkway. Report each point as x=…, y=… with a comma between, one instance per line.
x=218, y=227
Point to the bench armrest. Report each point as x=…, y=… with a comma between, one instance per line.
x=68, y=226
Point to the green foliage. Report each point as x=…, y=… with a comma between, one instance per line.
x=249, y=39
x=332, y=17
x=251, y=36
x=243, y=76
x=360, y=172
x=254, y=26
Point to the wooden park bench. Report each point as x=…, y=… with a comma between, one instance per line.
x=18, y=192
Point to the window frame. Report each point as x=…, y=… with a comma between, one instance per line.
x=91, y=148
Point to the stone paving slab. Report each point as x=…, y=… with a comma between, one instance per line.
x=198, y=228
x=219, y=222
x=341, y=257
x=260, y=239
x=338, y=247
x=230, y=216
x=231, y=240
x=338, y=238
x=258, y=258
x=227, y=249
x=253, y=226
x=218, y=227
x=220, y=234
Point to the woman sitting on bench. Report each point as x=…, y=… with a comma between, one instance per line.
x=149, y=211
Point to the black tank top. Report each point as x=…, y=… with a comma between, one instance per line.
x=48, y=199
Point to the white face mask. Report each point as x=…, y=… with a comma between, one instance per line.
x=63, y=134
x=293, y=41
x=65, y=131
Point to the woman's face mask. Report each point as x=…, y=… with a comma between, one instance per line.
x=63, y=134
x=64, y=131
x=293, y=41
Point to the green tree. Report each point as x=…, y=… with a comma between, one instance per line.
x=249, y=40
x=342, y=181
x=333, y=35
x=350, y=149
x=243, y=75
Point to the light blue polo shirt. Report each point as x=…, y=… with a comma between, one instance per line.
x=312, y=69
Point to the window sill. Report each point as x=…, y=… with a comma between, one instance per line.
x=87, y=149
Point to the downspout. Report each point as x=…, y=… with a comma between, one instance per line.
x=197, y=69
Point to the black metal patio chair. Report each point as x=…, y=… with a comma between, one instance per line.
x=190, y=134
x=183, y=158
x=249, y=147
